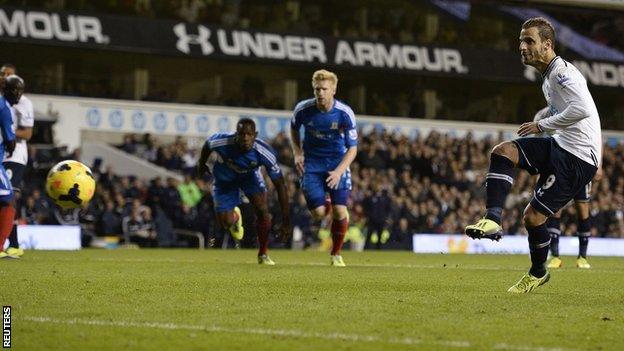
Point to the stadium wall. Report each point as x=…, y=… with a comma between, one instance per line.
x=122, y=162
x=76, y=115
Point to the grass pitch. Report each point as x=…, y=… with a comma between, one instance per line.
x=223, y=300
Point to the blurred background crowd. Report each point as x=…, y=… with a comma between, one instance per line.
x=482, y=25
x=431, y=184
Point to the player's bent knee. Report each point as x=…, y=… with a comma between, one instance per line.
x=227, y=219
x=532, y=218
x=506, y=148
x=318, y=213
x=340, y=212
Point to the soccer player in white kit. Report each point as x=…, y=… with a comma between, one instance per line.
x=15, y=165
x=584, y=227
x=566, y=161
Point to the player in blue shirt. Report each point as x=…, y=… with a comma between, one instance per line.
x=11, y=93
x=239, y=157
x=329, y=147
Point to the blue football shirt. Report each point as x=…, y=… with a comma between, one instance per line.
x=327, y=135
x=232, y=161
x=6, y=125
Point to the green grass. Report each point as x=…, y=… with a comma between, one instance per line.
x=217, y=300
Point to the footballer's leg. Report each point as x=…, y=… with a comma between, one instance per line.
x=255, y=189
x=340, y=217
x=539, y=240
x=263, y=226
x=231, y=220
x=339, y=227
x=584, y=232
x=15, y=172
x=7, y=211
x=7, y=216
x=226, y=199
x=551, y=194
x=554, y=189
x=313, y=188
x=553, y=224
x=499, y=180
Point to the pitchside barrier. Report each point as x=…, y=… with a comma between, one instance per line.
x=68, y=237
x=511, y=244
x=48, y=237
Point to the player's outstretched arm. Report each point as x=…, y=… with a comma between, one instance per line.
x=282, y=195
x=297, y=150
x=334, y=176
x=202, y=168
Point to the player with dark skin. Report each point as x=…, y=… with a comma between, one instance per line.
x=246, y=135
x=12, y=90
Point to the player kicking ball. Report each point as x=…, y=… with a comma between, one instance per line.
x=565, y=162
x=329, y=147
x=237, y=168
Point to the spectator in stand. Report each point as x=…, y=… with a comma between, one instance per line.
x=170, y=200
x=420, y=178
x=189, y=192
x=129, y=144
x=138, y=227
x=378, y=211
x=110, y=219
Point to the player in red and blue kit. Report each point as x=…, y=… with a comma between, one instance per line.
x=329, y=147
x=239, y=157
x=11, y=93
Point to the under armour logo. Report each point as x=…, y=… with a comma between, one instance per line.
x=185, y=39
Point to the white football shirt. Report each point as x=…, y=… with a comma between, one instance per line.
x=23, y=116
x=573, y=113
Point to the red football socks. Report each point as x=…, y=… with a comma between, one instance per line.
x=338, y=231
x=7, y=216
x=263, y=226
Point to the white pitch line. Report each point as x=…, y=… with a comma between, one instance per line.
x=257, y=331
x=293, y=333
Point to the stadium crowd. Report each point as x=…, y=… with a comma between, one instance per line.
x=406, y=22
x=431, y=184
